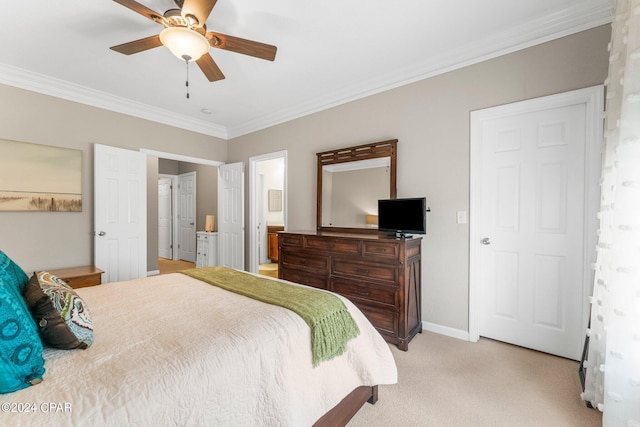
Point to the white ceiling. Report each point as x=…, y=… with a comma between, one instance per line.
x=329, y=52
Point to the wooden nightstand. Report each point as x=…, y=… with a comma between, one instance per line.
x=79, y=277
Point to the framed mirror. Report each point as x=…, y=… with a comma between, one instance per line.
x=349, y=183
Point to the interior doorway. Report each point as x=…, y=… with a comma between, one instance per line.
x=267, y=209
x=177, y=207
x=145, y=260
x=189, y=163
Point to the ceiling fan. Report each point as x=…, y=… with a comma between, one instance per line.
x=185, y=35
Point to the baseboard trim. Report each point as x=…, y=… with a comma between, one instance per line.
x=153, y=273
x=445, y=330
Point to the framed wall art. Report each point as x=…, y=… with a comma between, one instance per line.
x=39, y=177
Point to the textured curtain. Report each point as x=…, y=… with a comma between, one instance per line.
x=612, y=379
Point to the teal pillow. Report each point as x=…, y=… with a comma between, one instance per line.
x=21, y=362
x=11, y=274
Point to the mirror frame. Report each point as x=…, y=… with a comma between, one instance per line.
x=352, y=154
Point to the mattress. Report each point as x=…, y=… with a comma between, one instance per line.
x=172, y=350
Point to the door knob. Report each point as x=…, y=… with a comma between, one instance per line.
x=485, y=241
x=102, y=233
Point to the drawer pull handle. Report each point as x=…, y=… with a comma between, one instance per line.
x=362, y=270
x=363, y=293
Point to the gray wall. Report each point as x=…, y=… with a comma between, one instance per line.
x=430, y=118
x=47, y=240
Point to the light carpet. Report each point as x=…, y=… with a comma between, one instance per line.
x=444, y=381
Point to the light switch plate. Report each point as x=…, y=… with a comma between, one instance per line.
x=461, y=217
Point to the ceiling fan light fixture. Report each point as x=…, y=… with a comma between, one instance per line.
x=184, y=42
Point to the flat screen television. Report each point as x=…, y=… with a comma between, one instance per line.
x=403, y=216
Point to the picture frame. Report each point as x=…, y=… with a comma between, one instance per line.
x=275, y=200
x=36, y=177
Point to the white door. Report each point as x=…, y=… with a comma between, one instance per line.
x=120, y=213
x=531, y=214
x=187, y=216
x=231, y=215
x=165, y=241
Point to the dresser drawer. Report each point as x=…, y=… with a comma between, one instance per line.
x=298, y=259
x=79, y=277
x=386, y=321
x=297, y=276
x=370, y=271
x=366, y=291
x=334, y=245
x=380, y=249
x=84, y=281
x=294, y=240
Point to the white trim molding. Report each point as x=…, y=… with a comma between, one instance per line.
x=180, y=157
x=446, y=331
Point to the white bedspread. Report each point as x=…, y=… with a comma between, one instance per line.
x=173, y=351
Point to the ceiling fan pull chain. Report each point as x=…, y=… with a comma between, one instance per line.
x=186, y=61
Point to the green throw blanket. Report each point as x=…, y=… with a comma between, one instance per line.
x=331, y=324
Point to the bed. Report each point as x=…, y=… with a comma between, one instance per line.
x=174, y=350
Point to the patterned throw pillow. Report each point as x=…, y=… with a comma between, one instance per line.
x=61, y=315
x=21, y=362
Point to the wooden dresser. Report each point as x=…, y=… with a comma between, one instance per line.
x=380, y=275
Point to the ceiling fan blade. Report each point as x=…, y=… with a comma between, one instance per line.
x=198, y=8
x=243, y=46
x=142, y=10
x=138, y=45
x=209, y=68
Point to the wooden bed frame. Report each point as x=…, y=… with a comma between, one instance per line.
x=340, y=415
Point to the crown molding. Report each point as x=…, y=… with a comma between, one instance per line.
x=35, y=82
x=547, y=28
x=550, y=27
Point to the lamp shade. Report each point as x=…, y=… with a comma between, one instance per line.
x=371, y=220
x=184, y=43
x=210, y=223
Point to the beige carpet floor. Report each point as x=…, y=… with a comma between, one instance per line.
x=444, y=381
